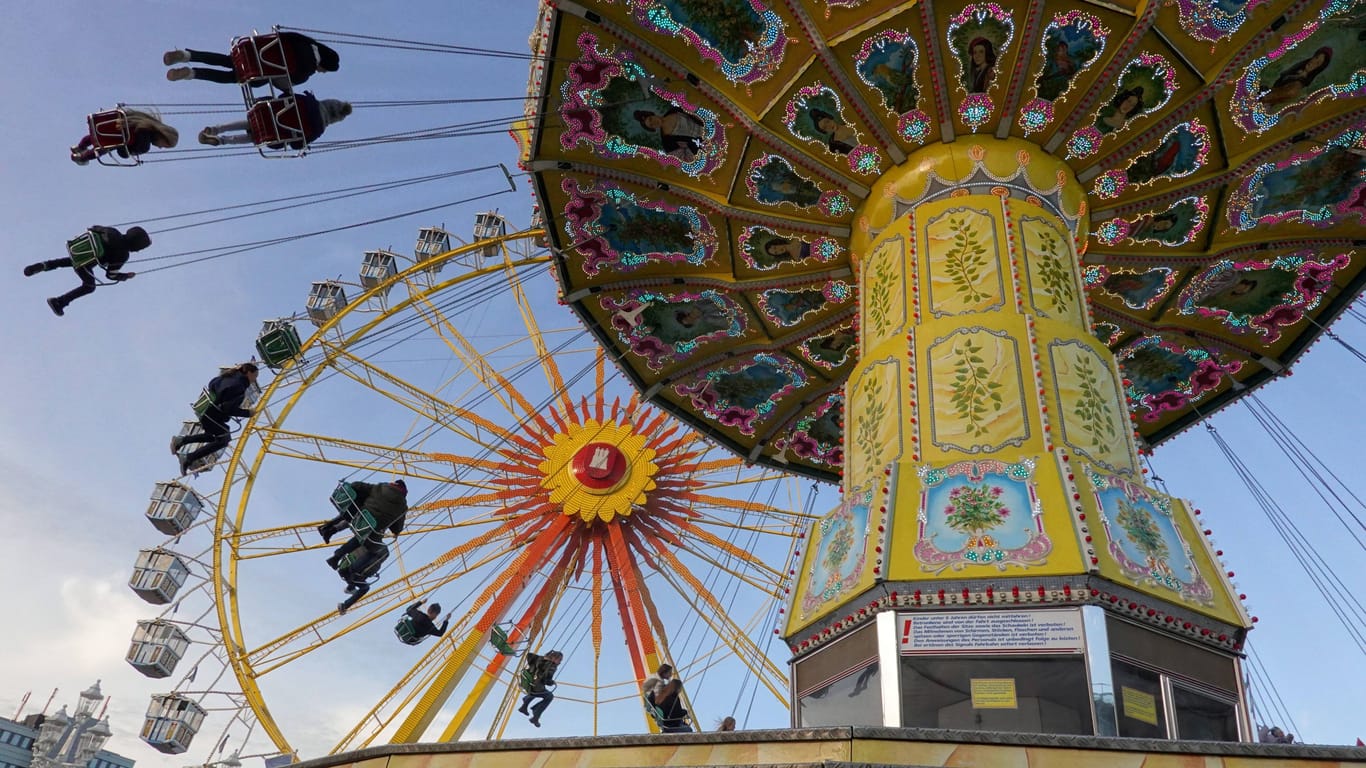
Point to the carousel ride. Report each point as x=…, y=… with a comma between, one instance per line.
x=897, y=247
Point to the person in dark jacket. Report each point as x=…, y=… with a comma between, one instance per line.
x=304, y=56
x=424, y=622
x=315, y=115
x=542, y=669
x=115, y=247
x=143, y=130
x=386, y=502
x=226, y=393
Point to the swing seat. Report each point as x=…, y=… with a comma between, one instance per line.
x=405, y=633
x=259, y=57
x=204, y=402
x=85, y=250
x=680, y=725
x=362, y=522
x=108, y=132
x=368, y=565
x=280, y=124
x=525, y=681
x=498, y=638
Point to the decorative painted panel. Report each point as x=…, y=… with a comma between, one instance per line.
x=816, y=116
x=772, y=180
x=1052, y=281
x=741, y=394
x=1176, y=224
x=1144, y=87
x=977, y=395
x=764, y=249
x=1261, y=297
x=875, y=433
x=1138, y=290
x=979, y=36
x=1163, y=376
x=785, y=308
x=1145, y=541
x=964, y=275
x=1321, y=61
x=665, y=327
x=883, y=310
x=745, y=39
x=819, y=435
x=1214, y=20
x=980, y=513
x=888, y=62
x=1321, y=187
x=1182, y=151
x=839, y=551
x=614, y=229
x=833, y=349
x=1094, y=419
x=610, y=102
x=1072, y=42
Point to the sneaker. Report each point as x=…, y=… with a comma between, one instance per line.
x=176, y=442
x=536, y=721
x=58, y=308
x=522, y=709
x=32, y=270
x=175, y=57
x=179, y=73
x=184, y=465
x=325, y=531
x=341, y=608
x=210, y=137
x=333, y=562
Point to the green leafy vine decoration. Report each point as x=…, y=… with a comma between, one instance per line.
x=1055, y=276
x=870, y=418
x=879, y=293
x=1091, y=408
x=965, y=260
x=973, y=392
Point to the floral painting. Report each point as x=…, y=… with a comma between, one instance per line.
x=980, y=513
x=840, y=551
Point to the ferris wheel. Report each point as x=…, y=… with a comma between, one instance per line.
x=546, y=511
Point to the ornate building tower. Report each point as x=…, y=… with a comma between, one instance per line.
x=70, y=741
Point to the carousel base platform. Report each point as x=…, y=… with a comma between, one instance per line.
x=845, y=747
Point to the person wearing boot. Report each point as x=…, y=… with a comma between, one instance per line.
x=541, y=676
x=111, y=249
x=386, y=502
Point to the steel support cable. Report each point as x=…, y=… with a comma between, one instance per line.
x=1330, y=334
x=793, y=562
x=1273, y=693
x=376, y=41
x=1307, y=463
x=1310, y=561
x=231, y=250
x=375, y=186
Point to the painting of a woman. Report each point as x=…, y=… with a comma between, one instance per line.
x=1058, y=71
x=981, y=65
x=838, y=136
x=783, y=249
x=680, y=133
x=1122, y=108
x=1296, y=79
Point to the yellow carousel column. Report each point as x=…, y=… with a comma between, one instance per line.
x=975, y=334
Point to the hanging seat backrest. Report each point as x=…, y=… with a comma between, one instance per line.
x=526, y=680
x=371, y=567
x=498, y=638
x=259, y=57
x=85, y=250
x=405, y=632
x=206, y=400
x=345, y=500
x=282, y=121
x=108, y=129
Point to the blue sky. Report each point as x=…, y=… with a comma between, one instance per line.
x=91, y=397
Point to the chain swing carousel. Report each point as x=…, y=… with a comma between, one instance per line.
x=971, y=261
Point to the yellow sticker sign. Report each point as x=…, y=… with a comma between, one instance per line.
x=994, y=693
x=1139, y=705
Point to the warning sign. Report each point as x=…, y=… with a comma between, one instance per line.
x=994, y=693
x=948, y=633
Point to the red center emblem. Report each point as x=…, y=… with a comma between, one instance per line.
x=599, y=466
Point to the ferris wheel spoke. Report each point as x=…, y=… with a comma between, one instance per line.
x=535, y=616
x=534, y=335
x=418, y=581
x=714, y=615
x=422, y=402
x=358, y=455
x=495, y=383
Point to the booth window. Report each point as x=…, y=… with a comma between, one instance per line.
x=1203, y=718
x=1032, y=694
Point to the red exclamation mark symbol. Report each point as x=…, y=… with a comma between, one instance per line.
x=906, y=633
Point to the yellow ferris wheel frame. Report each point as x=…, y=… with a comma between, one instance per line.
x=225, y=574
